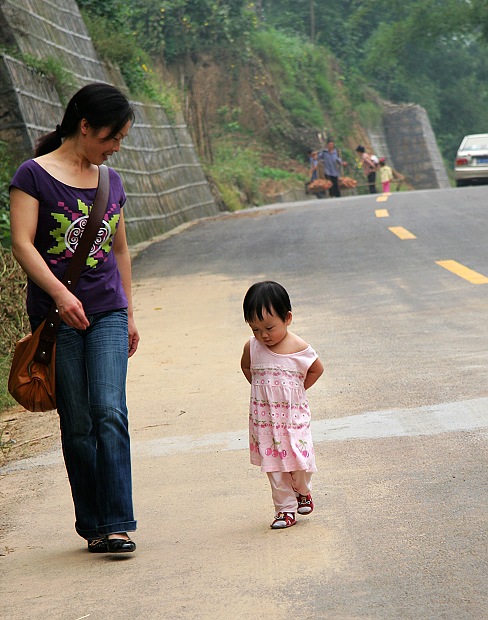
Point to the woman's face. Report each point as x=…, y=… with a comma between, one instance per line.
x=100, y=146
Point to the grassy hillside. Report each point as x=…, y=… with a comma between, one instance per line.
x=253, y=120
x=255, y=99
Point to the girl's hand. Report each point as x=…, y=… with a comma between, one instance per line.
x=133, y=337
x=246, y=362
x=314, y=373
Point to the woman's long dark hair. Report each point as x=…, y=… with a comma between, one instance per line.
x=101, y=104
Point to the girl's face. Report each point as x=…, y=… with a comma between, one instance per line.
x=271, y=330
x=99, y=145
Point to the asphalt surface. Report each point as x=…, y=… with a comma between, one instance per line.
x=400, y=428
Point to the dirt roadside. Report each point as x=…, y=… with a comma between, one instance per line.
x=25, y=434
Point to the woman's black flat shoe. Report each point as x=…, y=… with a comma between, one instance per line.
x=120, y=545
x=98, y=545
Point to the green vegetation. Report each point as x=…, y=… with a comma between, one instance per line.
x=121, y=48
x=234, y=172
x=323, y=65
x=429, y=52
x=300, y=70
x=13, y=318
x=7, y=169
x=54, y=71
x=277, y=174
x=12, y=282
x=176, y=28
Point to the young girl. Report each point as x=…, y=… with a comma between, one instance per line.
x=280, y=367
x=386, y=176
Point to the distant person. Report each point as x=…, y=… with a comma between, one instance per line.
x=50, y=198
x=369, y=167
x=386, y=176
x=312, y=161
x=332, y=164
x=280, y=367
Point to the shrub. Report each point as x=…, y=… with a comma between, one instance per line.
x=7, y=169
x=235, y=169
x=13, y=317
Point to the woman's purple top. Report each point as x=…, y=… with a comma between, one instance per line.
x=63, y=211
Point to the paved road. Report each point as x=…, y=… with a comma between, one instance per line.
x=384, y=291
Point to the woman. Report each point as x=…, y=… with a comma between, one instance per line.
x=369, y=168
x=50, y=197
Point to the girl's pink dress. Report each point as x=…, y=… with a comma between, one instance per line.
x=279, y=416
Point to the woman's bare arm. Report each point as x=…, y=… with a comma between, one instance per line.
x=122, y=255
x=24, y=211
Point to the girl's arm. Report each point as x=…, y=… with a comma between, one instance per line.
x=246, y=361
x=314, y=373
x=122, y=255
x=24, y=213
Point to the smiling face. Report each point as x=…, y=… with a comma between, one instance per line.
x=271, y=330
x=99, y=144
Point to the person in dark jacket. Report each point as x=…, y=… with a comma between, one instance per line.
x=332, y=164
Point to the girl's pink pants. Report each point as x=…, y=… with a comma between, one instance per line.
x=285, y=486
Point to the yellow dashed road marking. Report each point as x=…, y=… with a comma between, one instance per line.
x=382, y=198
x=402, y=233
x=463, y=272
x=382, y=213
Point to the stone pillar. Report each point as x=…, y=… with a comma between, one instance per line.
x=413, y=147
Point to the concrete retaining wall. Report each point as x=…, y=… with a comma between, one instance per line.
x=412, y=146
x=163, y=178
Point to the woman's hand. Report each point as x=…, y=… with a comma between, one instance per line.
x=133, y=337
x=71, y=309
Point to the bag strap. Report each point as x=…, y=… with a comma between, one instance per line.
x=75, y=267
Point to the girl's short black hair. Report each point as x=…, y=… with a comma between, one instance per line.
x=266, y=296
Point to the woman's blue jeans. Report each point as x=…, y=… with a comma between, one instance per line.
x=91, y=370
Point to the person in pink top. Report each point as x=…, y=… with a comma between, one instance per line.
x=369, y=166
x=280, y=367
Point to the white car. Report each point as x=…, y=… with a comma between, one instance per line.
x=471, y=164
